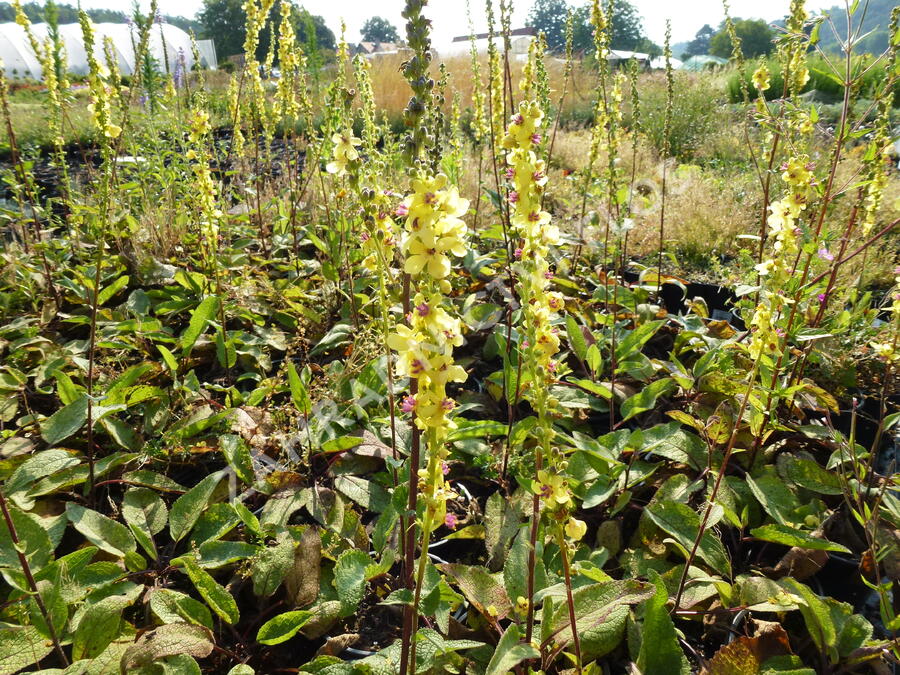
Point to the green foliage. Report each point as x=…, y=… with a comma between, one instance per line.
x=223, y=22
x=378, y=29
x=826, y=86
x=755, y=35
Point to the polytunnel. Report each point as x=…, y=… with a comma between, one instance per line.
x=168, y=43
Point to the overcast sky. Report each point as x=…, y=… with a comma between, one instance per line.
x=449, y=16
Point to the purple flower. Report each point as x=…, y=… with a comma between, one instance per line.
x=824, y=254
x=821, y=297
x=408, y=404
x=445, y=468
x=402, y=210
x=513, y=197
x=451, y=521
x=518, y=254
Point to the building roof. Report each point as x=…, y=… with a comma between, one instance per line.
x=528, y=30
x=19, y=59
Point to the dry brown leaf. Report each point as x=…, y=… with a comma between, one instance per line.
x=745, y=655
x=302, y=581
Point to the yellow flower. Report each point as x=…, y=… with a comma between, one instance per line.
x=762, y=79
x=797, y=171
x=344, y=152
x=554, y=489
x=575, y=529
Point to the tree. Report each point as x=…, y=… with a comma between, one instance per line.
x=627, y=27
x=755, y=35
x=549, y=16
x=378, y=29
x=700, y=44
x=223, y=21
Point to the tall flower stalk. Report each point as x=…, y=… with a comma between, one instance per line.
x=534, y=233
x=433, y=235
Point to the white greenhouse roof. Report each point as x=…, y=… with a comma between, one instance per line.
x=167, y=42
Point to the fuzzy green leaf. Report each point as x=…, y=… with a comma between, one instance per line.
x=105, y=533
x=682, y=523
x=189, y=506
x=217, y=597
x=510, y=652
x=202, y=315
x=65, y=422
x=790, y=536
x=350, y=579
x=660, y=652
x=282, y=627
x=146, y=515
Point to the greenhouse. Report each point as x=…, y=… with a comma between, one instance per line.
x=168, y=43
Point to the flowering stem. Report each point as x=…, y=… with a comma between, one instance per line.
x=564, y=554
x=726, y=458
x=29, y=578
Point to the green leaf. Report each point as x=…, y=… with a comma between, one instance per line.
x=175, y=607
x=776, y=498
x=105, y=533
x=341, y=444
x=34, y=541
x=272, y=565
x=202, y=315
x=682, y=523
x=789, y=536
x=576, y=337
x=510, y=652
x=99, y=625
x=477, y=429
x=238, y=457
x=177, y=642
x=225, y=351
x=20, y=647
x=646, y=398
x=217, y=597
x=65, y=421
x=660, y=651
x=282, y=627
x=350, y=579
x=809, y=475
x=601, y=612
x=38, y=466
x=108, y=292
x=601, y=389
x=189, y=506
x=299, y=393
x=637, y=339
x=815, y=613
x=146, y=515
x=169, y=359
x=481, y=588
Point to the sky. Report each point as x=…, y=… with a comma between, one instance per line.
x=449, y=16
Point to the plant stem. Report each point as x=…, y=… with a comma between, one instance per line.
x=29, y=578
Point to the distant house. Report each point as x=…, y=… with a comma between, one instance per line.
x=618, y=57
x=659, y=63
x=703, y=62
x=372, y=50
x=520, y=40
